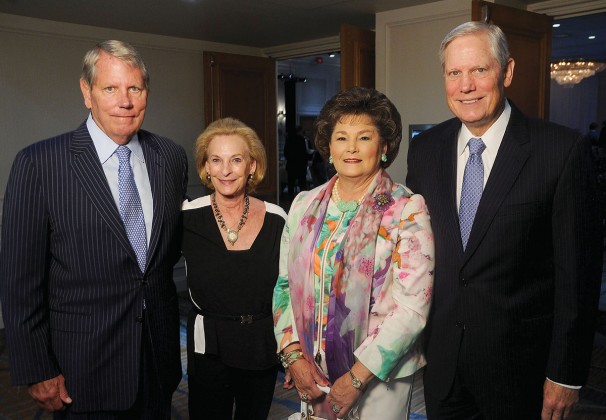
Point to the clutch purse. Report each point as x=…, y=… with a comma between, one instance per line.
x=305, y=413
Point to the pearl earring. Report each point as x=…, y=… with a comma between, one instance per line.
x=383, y=157
x=330, y=160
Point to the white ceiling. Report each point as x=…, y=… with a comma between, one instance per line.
x=255, y=23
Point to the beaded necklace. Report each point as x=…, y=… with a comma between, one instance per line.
x=345, y=206
x=232, y=235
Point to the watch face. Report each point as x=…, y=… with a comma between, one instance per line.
x=355, y=382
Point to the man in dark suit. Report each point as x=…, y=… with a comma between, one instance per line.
x=518, y=245
x=88, y=301
x=295, y=152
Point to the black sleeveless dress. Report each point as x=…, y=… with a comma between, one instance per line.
x=228, y=285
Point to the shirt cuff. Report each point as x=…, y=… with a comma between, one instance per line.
x=564, y=385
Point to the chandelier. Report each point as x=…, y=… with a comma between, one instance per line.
x=571, y=72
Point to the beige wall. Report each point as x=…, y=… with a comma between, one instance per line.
x=40, y=95
x=408, y=68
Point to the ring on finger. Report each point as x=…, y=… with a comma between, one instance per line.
x=304, y=397
x=335, y=409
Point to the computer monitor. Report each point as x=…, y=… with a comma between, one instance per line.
x=414, y=129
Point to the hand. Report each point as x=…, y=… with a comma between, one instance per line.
x=343, y=395
x=288, y=383
x=51, y=395
x=306, y=377
x=558, y=401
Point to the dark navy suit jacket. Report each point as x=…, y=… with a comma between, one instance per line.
x=72, y=292
x=518, y=304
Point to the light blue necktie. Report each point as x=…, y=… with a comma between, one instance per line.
x=131, y=211
x=473, y=184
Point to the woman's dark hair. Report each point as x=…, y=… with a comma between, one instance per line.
x=360, y=101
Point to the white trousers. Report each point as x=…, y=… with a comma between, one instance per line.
x=380, y=400
x=384, y=400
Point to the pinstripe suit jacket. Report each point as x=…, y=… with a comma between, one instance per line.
x=71, y=290
x=518, y=305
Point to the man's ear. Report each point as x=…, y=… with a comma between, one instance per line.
x=85, y=93
x=508, y=76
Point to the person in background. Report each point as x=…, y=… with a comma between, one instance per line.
x=297, y=156
x=356, y=270
x=231, y=247
x=602, y=137
x=592, y=134
x=318, y=168
x=89, y=240
x=518, y=245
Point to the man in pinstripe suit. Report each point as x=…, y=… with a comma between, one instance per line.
x=511, y=327
x=92, y=331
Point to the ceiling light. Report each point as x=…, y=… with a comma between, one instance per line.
x=591, y=37
x=571, y=72
x=556, y=25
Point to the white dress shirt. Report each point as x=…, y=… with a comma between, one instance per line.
x=106, y=148
x=492, y=138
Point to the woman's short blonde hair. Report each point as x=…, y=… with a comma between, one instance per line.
x=231, y=126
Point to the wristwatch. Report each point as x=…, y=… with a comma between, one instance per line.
x=355, y=382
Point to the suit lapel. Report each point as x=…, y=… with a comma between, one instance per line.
x=448, y=183
x=157, y=178
x=511, y=157
x=89, y=172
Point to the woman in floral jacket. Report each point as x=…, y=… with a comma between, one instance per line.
x=356, y=270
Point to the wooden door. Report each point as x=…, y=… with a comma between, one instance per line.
x=357, y=57
x=244, y=87
x=529, y=37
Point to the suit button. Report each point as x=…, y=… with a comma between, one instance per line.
x=460, y=325
x=463, y=281
x=139, y=319
x=144, y=282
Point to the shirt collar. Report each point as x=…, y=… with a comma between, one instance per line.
x=106, y=147
x=492, y=137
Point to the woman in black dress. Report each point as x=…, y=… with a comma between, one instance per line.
x=231, y=246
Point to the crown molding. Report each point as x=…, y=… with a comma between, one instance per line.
x=568, y=8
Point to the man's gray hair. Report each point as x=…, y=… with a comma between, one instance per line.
x=496, y=38
x=119, y=49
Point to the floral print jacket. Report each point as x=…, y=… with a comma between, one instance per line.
x=398, y=309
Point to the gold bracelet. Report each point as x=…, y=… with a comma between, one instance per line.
x=291, y=357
